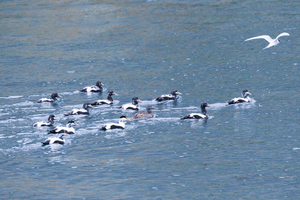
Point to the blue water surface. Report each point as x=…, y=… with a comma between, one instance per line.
x=146, y=48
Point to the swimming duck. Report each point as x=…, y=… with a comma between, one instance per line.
x=148, y=114
x=132, y=106
x=68, y=129
x=93, y=88
x=108, y=101
x=171, y=96
x=245, y=98
x=120, y=125
x=53, y=98
x=53, y=140
x=202, y=115
x=83, y=111
x=49, y=123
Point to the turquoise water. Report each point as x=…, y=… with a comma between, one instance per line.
x=145, y=49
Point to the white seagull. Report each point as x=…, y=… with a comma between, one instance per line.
x=272, y=42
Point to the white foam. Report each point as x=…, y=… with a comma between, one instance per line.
x=11, y=97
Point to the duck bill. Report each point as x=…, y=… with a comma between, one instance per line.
x=116, y=94
x=56, y=118
x=127, y=119
x=178, y=93
x=139, y=100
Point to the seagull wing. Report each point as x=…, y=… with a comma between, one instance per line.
x=266, y=37
x=282, y=34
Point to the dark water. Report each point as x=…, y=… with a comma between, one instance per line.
x=145, y=49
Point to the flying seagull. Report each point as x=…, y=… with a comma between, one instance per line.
x=272, y=42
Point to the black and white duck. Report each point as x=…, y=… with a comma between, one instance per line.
x=54, y=140
x=83, y=111
x=50, y=122
x=148, y=114
x=108, y=101
x=120, y=125
x=171, y=96
x=132, y=106
x=68, y=129
x=245, y=98
x=93, y=88
x=202, y=115
x=53, y=98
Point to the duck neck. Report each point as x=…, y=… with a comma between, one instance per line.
x=85, y=107
x=52, y=121
x=99, y=86
x=134, y=102
x=246, y=96
x=121, y=122
x=109, y=97
x=203, y=110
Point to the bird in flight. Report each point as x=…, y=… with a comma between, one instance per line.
x=272, y=42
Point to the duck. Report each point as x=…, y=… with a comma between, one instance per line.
x=245, y=98
x=132, y=106
x=109, y=100
x=50, y=122
x=148, y=114
x=68, y=129
x=83, y=111
x=171, y=96
x=53, y=97
x=120, y=125
x=54, y=140
x=93, y=88
x=202, y=115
